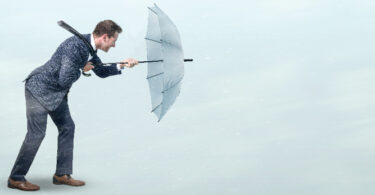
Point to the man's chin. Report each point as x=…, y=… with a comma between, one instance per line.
x=105, y=50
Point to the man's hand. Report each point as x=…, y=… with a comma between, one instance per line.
x=88, y=67
x=130, y=63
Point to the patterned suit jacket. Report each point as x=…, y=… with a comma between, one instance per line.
x=50, y=83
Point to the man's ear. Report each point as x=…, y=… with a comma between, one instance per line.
x=105, y=36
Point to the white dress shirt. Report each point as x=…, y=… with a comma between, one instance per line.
x=94, y=46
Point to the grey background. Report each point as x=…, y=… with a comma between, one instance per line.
x=279, y=99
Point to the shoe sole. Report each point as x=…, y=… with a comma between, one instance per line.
x=13, y=187
x=58, y=183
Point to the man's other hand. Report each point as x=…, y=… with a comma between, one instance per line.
x=88, y=67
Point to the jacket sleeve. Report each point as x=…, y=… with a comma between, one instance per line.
x=71, y=61
x=104, y=71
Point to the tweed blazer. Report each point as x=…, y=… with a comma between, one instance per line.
x=51, y=82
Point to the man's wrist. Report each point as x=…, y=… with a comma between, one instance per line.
x=119, y=67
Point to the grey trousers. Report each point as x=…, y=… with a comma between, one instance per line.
x=36, y=129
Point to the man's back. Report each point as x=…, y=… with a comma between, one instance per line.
x=50, y=82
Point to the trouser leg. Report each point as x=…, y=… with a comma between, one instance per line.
x=63, y=120
x=36, y=127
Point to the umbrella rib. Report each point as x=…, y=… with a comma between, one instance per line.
x=154, y=75
x=172, y=86
x=162, y=41
x=169, y=43
x=153, y=40
x=156, y=107
x=152, y=10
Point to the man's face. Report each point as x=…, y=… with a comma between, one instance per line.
x=109, y=42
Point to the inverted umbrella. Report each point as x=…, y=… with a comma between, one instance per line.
x=165, y=75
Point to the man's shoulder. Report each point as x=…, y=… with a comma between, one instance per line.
x=75, y=42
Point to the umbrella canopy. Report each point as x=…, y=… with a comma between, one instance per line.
x=164, y=76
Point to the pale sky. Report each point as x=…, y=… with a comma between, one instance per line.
x=279, y=98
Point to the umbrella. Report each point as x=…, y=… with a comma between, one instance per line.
x=166, y=72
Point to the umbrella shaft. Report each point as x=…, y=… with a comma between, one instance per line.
x=150, y=61
x=185, y=60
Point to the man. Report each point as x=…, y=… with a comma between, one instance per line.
x=46, y=91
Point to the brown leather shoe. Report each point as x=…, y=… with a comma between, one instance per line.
x=22, y=185
x=67, y=180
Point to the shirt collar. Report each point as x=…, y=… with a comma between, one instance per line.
x=92, y=42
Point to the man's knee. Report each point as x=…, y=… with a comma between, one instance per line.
x=72, y=127
x=68, y=128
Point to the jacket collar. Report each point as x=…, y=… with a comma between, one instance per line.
x=90, y=38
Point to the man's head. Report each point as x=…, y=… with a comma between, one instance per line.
x=106, y=34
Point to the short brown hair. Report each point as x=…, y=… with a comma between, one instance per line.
x=108, y=27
